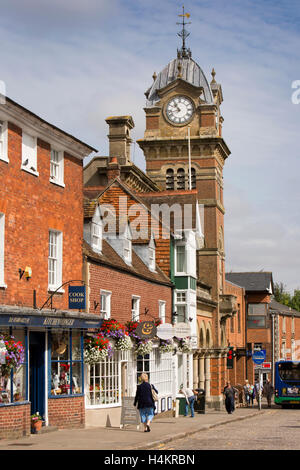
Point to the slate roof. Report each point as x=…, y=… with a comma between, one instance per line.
x=252, y=281
x=110, y=257
x=277, y=307
x=191, y=73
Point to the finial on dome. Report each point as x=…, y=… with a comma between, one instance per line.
x=213, y=74
x=183, y=52
x=154, y=76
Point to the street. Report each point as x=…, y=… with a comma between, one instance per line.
x=276, y=429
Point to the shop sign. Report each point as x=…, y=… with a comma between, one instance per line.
x=77, y=297
x=129, y=414
x=146, y=330
x=182, y=330
x=48, y=321
x=165, y=331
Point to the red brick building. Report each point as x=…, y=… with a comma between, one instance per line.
x=41, y=227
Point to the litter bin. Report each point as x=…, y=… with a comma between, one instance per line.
x=199, y=404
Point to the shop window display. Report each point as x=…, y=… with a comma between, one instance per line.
x=13, y=380
x=66, y=363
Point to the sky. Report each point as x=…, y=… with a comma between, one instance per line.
x=75, y=63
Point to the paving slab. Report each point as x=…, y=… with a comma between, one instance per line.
x=163, y=430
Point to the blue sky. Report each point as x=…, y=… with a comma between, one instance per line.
x=75, y=63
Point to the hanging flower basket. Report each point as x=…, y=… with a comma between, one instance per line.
x=97, y=348
x=12, y=354
x=143, y=348
x=166, y=346
x=184, y=346
x=123, y=344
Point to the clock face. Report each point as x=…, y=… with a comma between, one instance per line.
x=179, y=109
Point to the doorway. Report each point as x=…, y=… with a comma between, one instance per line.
x=37, y=372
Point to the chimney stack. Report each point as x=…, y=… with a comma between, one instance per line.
x=119, y=138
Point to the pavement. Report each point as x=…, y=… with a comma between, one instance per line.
x=163, y=430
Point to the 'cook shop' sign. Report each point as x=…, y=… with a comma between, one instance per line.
x=77, y=297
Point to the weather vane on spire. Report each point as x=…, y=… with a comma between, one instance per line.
x=184, y=52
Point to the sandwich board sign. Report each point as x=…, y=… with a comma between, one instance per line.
x=129, y=414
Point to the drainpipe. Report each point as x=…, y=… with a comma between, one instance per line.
x=273, y=348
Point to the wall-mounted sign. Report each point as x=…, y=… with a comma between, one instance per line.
x=77, y=297
x=146, y=330
x=46, y=321
x=165, y=331
x=182, y=330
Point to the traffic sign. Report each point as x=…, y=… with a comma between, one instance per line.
x=264, y=366
x=258, y=357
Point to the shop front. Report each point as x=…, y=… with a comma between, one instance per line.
x=49, y=379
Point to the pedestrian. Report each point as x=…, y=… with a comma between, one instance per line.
x=145, y=402
x=268, y=392
x=189, y=400
x=258, y=390
x=246, y=389
x=229, y=393
x=252, y=393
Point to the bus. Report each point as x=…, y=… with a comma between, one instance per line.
x=287, y=383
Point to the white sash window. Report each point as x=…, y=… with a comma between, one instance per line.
x=57, y=167
x=29, y=153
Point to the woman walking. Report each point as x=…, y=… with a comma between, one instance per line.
x=145, y=401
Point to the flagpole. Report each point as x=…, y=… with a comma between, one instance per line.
x=189, y=153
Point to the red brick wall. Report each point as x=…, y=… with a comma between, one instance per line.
x=32, y=205
x=66, y=412
x=14, y=421
x=123, y=286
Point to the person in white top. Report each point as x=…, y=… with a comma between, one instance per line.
x=190, y=399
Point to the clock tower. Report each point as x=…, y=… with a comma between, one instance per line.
x=184, y=149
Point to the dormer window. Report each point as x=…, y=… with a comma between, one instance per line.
x=127, y=250
x=151, y=254
x=29, y=153
x=152, y=259
x=3, y=141
x=127, y=245
x=96, y=231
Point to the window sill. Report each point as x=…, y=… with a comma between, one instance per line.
x=109, y=405
x=57, y=183
x=28, y=170
x=3, y=286
x=4, y=159
x=53, y=289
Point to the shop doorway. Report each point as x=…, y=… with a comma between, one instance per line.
x=37, y=372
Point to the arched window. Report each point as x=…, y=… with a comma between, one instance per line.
x=170, y=179
x=193, y=178
x=180, y=178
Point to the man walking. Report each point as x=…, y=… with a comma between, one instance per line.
x=268, y=392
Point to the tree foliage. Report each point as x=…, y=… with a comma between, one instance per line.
x=284, y=297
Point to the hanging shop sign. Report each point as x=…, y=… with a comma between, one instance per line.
x=77, y=297
x=182, y=330
x=146, y=330
x=165, y=331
